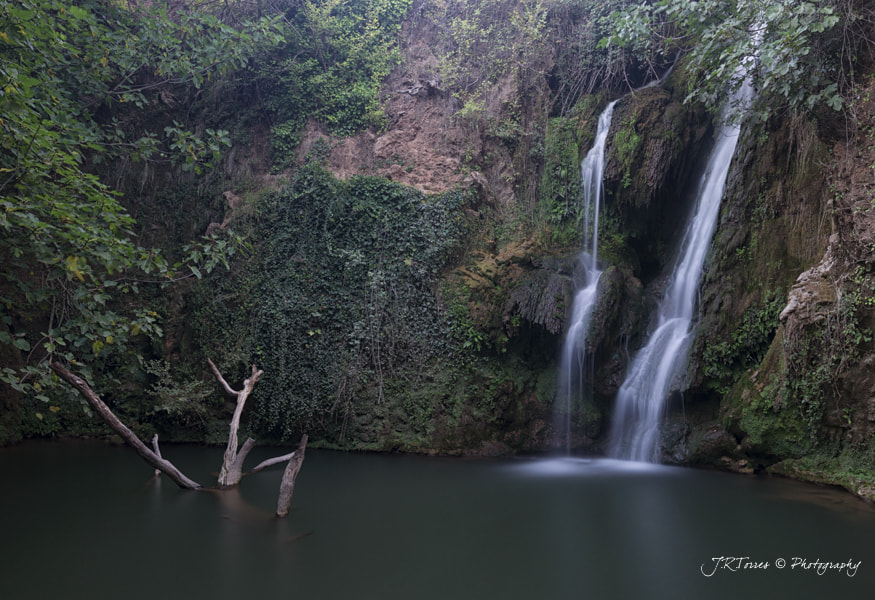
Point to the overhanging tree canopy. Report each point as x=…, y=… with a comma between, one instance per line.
x=68, y=72
x=803, y=60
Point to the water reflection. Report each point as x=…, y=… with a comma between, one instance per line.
x=85, y=521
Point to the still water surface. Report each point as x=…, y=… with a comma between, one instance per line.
x=84, y=520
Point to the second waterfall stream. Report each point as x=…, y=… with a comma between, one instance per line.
x=574, y=379
x=656, y=369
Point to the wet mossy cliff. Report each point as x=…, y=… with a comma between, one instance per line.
x=784, y=351
x=780, y=376
x=461, y=357
x=409, y=286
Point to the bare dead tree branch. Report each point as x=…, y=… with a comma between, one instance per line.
x=225, y=387
x=232, y=465
x=157, y=451
x=272, y=461
x=120, y=428
x=287, y=487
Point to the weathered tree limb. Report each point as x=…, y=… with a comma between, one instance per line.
x=272, y=461
x=287, y=487
x=232, y=465
x=233, y=472
x=120, y=428
x=227, y=388
x=157, y=451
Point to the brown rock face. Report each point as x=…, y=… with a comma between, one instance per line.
x=813, y=289
x=421, y=144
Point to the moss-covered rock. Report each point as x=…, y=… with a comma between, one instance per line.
x=542, y=298
x=768, y=423
x=653, y=149
x=829, y=471
x=709, y=443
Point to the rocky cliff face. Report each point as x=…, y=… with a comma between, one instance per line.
x=516, y=278
x=426, y=143
x=781, y=371
x=785, y=341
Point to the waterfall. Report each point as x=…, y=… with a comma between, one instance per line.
x=575, y=365
x=655, y=370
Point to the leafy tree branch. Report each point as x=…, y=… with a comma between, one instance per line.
x=72, y=265
x=802, y=62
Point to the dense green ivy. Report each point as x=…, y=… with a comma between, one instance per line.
x=560, y=182
x=348, y=298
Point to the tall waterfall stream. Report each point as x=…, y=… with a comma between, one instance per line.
x=657, y=368
x=576, y=364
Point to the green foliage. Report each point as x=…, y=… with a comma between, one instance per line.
x=284, y=139
x=797, y=62
x=73, y=78
x=472, y=111
x=561, y=196
x=817, y=358
x=626, y=142
x=183, y=401
x=463, y=329
x=851, y=470
x=560, y=181
x=336, y=57
x=193, y=152
x=862, y=290
x=486, y=40
x=219, y=320
x=723, y=362
x=347, y=300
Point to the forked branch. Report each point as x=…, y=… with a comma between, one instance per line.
x=232, y=465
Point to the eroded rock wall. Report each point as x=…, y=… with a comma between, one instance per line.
x=785, y=340
x=782, y=364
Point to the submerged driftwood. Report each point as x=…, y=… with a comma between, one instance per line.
x=287, y=487
x=232, y=465
x=150, y=456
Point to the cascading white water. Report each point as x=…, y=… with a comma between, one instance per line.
x=655, y=369
x=573, y=368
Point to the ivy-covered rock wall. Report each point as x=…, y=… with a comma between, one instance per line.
x=407, y=177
